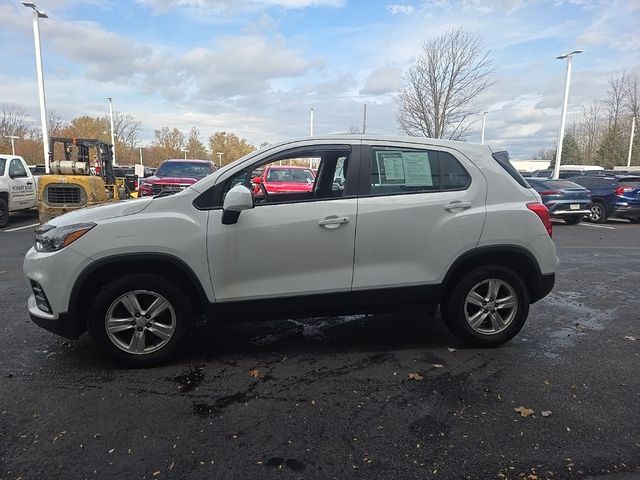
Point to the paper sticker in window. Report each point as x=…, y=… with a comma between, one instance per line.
x=417, y=169
x=392, y=165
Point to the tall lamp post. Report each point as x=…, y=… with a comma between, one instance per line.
x=13, y=144
x=185, y=150
x=37, y=14
x=484, y=121
x=113, y=137
x=633, y=131
x=568, y=56
x=219, y=154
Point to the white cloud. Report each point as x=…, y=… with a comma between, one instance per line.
x=382, y=80
x=396, y=8
x=234, y=6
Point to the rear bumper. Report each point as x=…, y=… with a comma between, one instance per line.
x=564, y=213
x=626, y=211
x=544, y=287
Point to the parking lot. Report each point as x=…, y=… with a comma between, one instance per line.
x=338, y=397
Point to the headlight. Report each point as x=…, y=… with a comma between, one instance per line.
x=51, y=239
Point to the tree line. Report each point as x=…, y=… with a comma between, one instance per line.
x=600, y=134
x=221, y=147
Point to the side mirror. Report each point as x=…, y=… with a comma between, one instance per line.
x=256, y=180
x=237, y=199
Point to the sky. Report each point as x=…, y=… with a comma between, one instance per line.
x=254, y=67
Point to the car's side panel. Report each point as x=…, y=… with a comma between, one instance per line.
x=411, y=238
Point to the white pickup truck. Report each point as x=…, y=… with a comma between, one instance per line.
x=17, y=187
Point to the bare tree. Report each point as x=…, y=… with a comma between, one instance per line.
x=12, y=120
x=353, y=130
x=438, y=94
x=632, y=94
x=126, y=129
x=590, y=130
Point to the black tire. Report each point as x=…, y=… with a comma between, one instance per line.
x=573, y=219
x=598, y=213
x=634, y=220
x=4, y=213
x=178, y=318
x=455, y=306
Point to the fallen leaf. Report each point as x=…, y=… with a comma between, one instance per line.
x=524, y=411
x=155, y=474
x=451, y=349
x=629, y=337
x=415, y=376
x=255, y=373
x=545, y=413
x=437, y=365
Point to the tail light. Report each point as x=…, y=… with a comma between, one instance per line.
x=620, y=191
x=543, y=214
x=549, y=192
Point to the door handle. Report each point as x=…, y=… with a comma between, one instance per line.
x=455, y=205
x=333, y=221
x=29, y=183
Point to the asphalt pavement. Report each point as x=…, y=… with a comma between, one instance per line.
x=332, y=397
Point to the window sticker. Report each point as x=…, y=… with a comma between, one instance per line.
x=393, y=165
x=417, y=169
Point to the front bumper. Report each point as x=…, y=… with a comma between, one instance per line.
x=64, y=325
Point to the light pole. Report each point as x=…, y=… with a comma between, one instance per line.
x=633, y=131
x=13, y=145
x=311, y=121
x=568, y=56
x=484, y=121
x=37, y=14
x=140, y=148
x=185, y=152
x=113, y=138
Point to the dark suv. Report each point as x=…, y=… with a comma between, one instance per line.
x=613, y=196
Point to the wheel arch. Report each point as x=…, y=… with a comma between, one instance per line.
x=100, y=272
x=518, y=259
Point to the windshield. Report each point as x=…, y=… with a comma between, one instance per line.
x=183, y=169
x=2, y=162
x=295, y=175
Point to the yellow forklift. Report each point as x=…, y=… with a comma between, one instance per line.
x=85, y=177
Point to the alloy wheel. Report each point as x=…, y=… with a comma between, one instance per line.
x=596, y=213
x=140, y=322
x=491, y=306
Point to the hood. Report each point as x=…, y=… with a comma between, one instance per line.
x=102, y=212
x=171, y=180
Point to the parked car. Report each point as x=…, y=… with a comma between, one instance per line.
x=613, y=196
x=174, y=176
x=564, y=199
x=17, y=187
x=283, y=179
x=568, y=171
x=416, y=222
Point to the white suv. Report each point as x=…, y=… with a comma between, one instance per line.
x=387, y=223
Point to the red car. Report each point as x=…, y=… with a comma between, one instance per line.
x=284, y=179
x=175, y=175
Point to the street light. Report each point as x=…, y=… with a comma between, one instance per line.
x=13, y=145
x=568, y=56
x=484, y=120
x=113, y=138
x=219, y=154
x=311, y=121
x=633, y=131
x=37, y=14
x=185, y=152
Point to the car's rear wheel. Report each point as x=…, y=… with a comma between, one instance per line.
x=487, y=307
x=573, y=219
x=4, y=213
x=141, y=320
x=598, y=213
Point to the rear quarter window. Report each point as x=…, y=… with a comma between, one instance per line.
x=503, y=160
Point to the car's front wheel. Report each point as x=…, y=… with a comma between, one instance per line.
x=487, y=307
x=141, y=320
